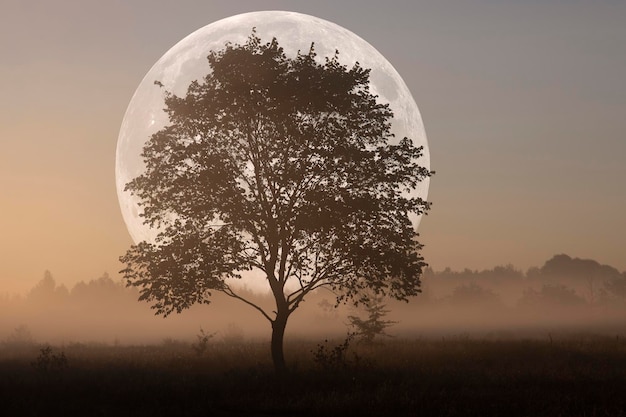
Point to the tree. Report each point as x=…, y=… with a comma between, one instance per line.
x=281, y=165
x=551, y=295
x=375, y=324
x=473, y=294
x=45, y=288
x=47, y=291
x=586, y=273
x=617, y=286
x=100, y=291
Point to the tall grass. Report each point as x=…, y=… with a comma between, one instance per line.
x=458, y=376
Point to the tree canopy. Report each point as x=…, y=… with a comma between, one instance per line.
x=283, y=165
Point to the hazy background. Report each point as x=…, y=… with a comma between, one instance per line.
x=523, y=104
x=562, y=298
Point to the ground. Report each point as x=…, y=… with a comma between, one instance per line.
x=454, y=376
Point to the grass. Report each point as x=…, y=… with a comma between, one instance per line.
x=577, y=376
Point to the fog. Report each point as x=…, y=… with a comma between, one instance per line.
x=564, y=296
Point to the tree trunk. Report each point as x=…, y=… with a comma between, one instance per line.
x=278, y=333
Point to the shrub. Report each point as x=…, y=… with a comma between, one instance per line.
x=50, y=362
x=335, y=357
x=202, y=343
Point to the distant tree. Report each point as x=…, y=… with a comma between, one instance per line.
x=101, y=290
x=45, y=287
x=501, y=274
x=374, y=324
x=474, y=294
x=281, y=165
x=533, y=273
x=551, y=295
x=617, y=286
x=47, y=290
x=586, y=273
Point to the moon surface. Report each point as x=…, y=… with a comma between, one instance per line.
x=187, y=61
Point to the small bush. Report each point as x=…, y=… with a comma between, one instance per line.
x=335, y=357
x=202, y=344
x=49, y=362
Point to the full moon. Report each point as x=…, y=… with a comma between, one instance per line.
x=187, y=61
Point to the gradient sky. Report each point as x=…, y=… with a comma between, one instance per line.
x=524, y=104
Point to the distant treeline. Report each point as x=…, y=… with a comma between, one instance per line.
x=100, y=290
x=562, y=280
x=564, y=293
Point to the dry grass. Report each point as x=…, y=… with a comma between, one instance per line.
x=576, y=376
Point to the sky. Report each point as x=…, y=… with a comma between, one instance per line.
x=524, y=105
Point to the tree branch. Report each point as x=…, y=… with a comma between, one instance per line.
x=228, y=291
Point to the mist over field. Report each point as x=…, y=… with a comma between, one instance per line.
x=562, y=297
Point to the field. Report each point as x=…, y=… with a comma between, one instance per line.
x=454, y=376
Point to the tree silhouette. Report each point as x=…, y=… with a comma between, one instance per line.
x=474, y=294
x=551, y=295
x=617, y=286
x=375, y=323
x=47, y=291
x=585, y=273
x=281, y=165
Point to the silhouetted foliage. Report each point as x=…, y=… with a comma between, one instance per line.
x=47, y=361
x=202, y=343
x=587, y=275
x=102, y=290
x=47, y=290
x=374, y=324
x=474, y=294
x=551, y=295
x=564, y=265
x=335, y=357
x=283, y=166
x=617, y=286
